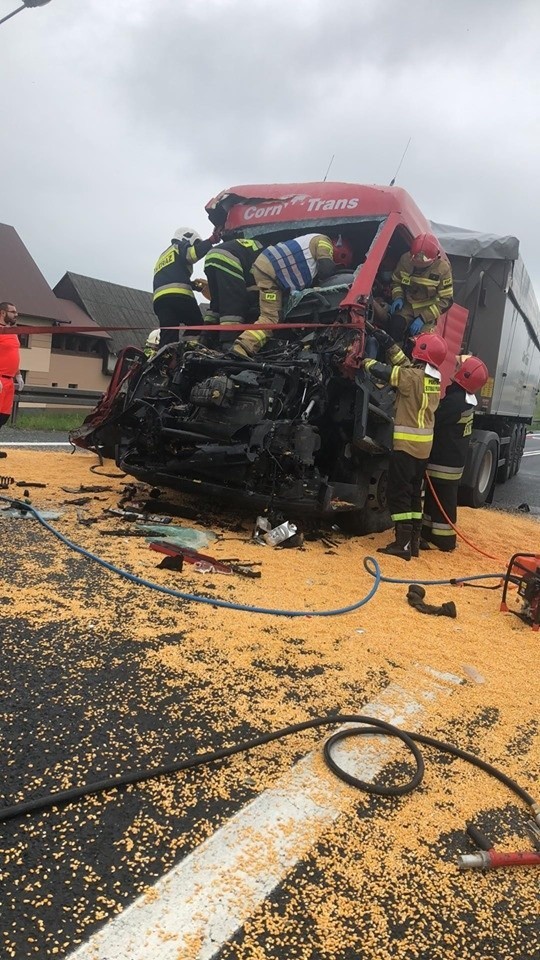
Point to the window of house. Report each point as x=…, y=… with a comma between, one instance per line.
x=24, y=339
x=73, y=386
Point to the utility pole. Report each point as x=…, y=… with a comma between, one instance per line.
x=25, y=4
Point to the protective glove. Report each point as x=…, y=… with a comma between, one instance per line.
x=396, y=304
x=382, y=337
x=215, y=237
x=415, y=326
x=19, y=383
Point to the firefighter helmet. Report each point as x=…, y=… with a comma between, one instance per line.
x=472, y=374
x=425, y=250
x=186, y=233
x=343, y=252
x=152, y=339
x=430, y=348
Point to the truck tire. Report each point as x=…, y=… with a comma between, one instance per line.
x=481, y=471
x=520, y=447
x=374, y=517
x=505, y=471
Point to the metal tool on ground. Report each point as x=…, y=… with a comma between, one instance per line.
x=524, y=571
x=489, y=858
x=31, y=483
x=415, y=598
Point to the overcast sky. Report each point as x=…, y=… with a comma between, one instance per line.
x=120, y=119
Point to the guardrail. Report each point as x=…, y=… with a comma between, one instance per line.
x=56, y=395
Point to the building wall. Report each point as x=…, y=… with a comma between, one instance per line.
x=82, y=372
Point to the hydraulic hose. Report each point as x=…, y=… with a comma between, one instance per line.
x=194, y=597
x=370, y=726
x=454, y=528
x=372, y=567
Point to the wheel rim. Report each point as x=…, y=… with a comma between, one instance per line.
x=485, y=471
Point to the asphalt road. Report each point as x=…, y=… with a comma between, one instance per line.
x=99, y=676
x=525, y=486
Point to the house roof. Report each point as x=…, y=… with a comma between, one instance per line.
x=22, y=282
x=111, y=305
x=79, y=318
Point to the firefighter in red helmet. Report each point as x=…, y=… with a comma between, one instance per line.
x=452, y=435
x=418, y=387
x=422, y=289
x=290, y=265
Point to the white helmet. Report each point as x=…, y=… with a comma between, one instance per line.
x=153, y=338
x=186, y=233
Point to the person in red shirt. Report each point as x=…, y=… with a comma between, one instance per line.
x=10, y=376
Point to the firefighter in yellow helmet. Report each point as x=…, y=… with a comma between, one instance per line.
x=422, y=289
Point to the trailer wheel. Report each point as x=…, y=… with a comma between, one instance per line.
x=520, y=447
x=506, y=470
x=476, y=493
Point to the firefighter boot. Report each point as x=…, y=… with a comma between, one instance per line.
x=401, y=546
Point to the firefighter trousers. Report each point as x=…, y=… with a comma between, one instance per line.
x=435, y=527
x=176, y=310
x=405, y=478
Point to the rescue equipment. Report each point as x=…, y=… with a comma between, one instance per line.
x=524, y=570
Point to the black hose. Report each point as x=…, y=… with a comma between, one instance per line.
x=371, y=727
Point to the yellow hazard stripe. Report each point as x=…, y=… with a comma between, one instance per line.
x=415, y=437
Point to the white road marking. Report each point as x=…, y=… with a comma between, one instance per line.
x=532, y=453
x=198, y=905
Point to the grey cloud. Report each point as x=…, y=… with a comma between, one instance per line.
x=124, y=118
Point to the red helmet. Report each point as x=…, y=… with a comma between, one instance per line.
x=430, y=348
x=343, y=252
x=472, y=374
x=425, y=249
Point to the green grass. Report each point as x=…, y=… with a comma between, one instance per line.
x=48, y=420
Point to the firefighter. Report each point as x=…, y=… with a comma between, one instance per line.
x=174, y=300
x=452, y=434
x=422, y=289
x=418, y=387
x=151, y=346
x=229, y=276
x=289, y=265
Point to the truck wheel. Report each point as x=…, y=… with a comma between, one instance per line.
x=520, y=447
x=505, y=472
x=374, y=517
x=475, y=494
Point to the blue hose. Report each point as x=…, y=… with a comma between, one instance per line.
x=194, y=597
x=376, y=571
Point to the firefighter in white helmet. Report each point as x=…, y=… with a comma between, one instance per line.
x=174, y=300
x=151, y=346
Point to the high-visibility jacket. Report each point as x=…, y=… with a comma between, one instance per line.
x=9, y=368
x=418, y=389
x=427, y=291
x=235, y=258
x=296, y=262
x=173, y=269
x=452, y=435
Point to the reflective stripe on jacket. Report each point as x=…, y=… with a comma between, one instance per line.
x=235, y=258
x=294, y=262
x=427, y=290
x=418, y=396
x=173, y=269
x=452, y=434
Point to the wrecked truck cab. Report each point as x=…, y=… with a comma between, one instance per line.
x=301, y=428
